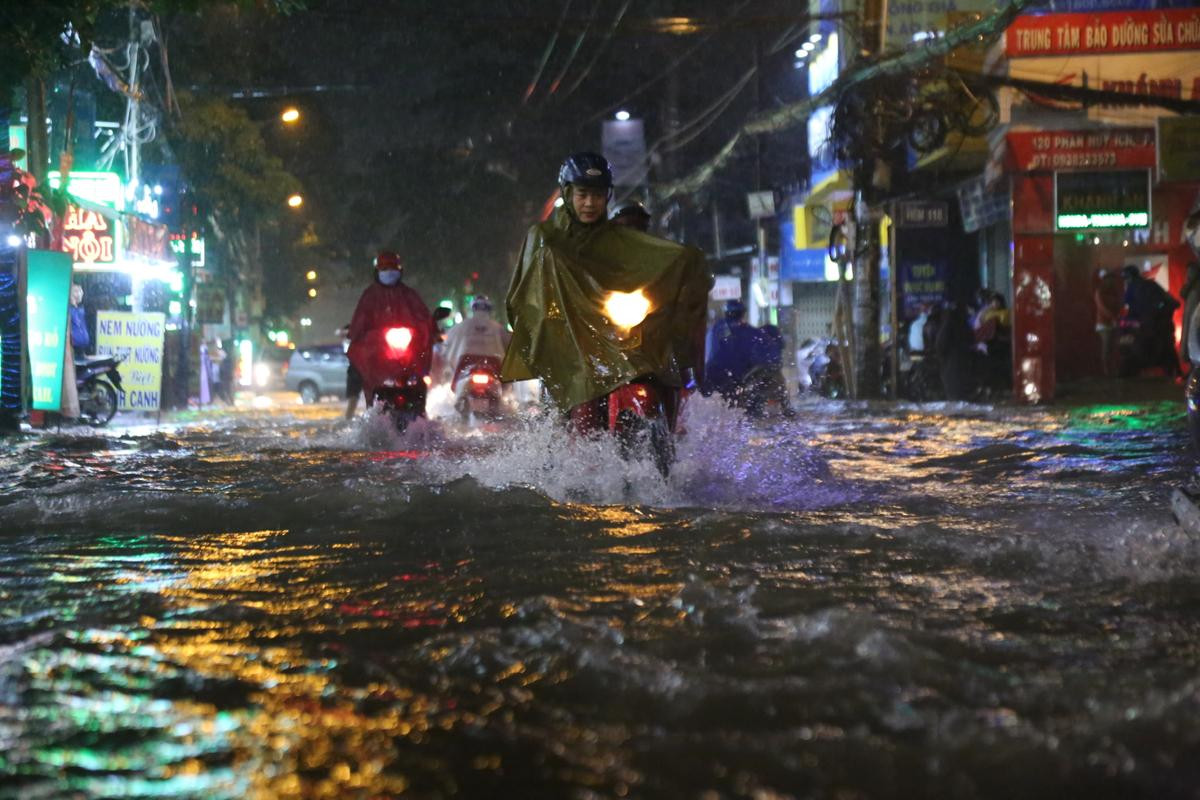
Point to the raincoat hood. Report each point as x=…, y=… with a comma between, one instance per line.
x=555, y=303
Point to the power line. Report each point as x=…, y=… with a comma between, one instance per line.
x=599, y=50
x=537, y=76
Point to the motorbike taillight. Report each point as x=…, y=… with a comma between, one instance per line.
x=480, y=378
x=399, y=339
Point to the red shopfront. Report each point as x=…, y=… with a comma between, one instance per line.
x=1059, y=244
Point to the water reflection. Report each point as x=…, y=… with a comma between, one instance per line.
x=861, y=603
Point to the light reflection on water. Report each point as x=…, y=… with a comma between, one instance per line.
x=957, y=602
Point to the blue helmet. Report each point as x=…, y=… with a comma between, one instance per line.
x=734, y=310
x=585, y=169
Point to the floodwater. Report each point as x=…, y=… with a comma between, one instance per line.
x=895, y=602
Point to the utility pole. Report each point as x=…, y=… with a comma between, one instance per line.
x=869, y=179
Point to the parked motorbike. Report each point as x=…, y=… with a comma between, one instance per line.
x=477, y=388
x=97, y=382
x=820, y=367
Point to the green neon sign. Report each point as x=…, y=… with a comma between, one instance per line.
x=1135, y=219
x=104, y=188
x=1094, y=200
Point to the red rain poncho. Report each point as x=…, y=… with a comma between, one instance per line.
x=382, y=307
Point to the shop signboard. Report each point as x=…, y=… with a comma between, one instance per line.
x=1109, y=33
x=17, y=140
x=147, y=240
x=1170, y=75
x=179, y=245
x=103, y=188
x=980, y=207
x=726, y=287
x=1116, y=148
x=138, y=337
x=48, y=290
x=91, y=237
x=923, y=281
x=1093, y=200
x=909, y=20
x=1179, y=148
x=922, y=214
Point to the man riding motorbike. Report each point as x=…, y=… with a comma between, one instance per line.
x=729, y=350
x=474, y=347
x=597, y=307
x=391, y=340
x=744, y=364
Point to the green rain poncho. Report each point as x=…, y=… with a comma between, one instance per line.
x=561, y=333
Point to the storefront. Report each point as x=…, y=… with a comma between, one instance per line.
x=1093, y=186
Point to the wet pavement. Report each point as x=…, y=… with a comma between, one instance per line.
x=867, y=602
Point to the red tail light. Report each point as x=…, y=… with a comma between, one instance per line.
x=480, y=378
x=398, y=338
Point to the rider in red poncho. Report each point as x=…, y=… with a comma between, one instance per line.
x=388, y=303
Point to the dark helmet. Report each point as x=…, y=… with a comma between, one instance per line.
x=630, y=208
x=585, y=169
x=481, y=303
x=388, y=259
x=734, y=310
x=1130, y=272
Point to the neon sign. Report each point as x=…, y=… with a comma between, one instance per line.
x=1110, y=199
x=179, y=246
x=89, y=237
x=98, y=187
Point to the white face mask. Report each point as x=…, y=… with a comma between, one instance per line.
x=389, y=277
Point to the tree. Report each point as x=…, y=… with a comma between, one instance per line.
x=240, y=191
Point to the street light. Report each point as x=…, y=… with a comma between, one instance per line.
x=622, y=116
x=312, y=292
x=311, y=274
x=290, y=115
x=295, y=201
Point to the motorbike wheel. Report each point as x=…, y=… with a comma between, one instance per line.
x=97, y=403
x=402, y=418
x=637, y=434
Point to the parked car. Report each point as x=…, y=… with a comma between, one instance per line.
x=318, y=371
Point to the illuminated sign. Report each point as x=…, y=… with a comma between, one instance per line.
x=16, y=141
x=98, y=187
x=138, y=337
x=179, y=245
x=49, y=277
x=91, y=238
x=1117, y=199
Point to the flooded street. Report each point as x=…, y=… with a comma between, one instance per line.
x=893, y=602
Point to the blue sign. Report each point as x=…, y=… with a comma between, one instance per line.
x=797, y=264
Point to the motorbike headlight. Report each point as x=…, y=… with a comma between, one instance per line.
x=626, y=309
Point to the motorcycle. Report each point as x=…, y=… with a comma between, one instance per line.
x=477, y=389
x=820, y=365
x=641, y=413
x=402, y=393
x=97, y=382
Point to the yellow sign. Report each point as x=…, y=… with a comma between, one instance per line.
x=138, y=337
